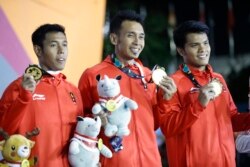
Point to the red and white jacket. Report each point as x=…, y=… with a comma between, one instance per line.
x=52, y=108
x=197, y=135
x=140, y=147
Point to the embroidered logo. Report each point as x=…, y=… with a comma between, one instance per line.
x=38, y=97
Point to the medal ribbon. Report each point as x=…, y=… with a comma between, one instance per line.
x=128, y=71
x=117, y=101
x=189, y=74
x=89, y=141
x=9, y=163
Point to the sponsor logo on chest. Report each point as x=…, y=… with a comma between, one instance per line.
x=38, y=97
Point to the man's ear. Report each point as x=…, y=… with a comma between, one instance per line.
x=37, y=50
x=113, y=38
x=181, y=51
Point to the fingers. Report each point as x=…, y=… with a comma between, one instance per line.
x=167, y=82
x=209, y=91
x=206, y=94
x=168, y=86
x=28, y=83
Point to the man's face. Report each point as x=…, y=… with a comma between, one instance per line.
x=54, y=53
x=130, y=41
x=196, y=51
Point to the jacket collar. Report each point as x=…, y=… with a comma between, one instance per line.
x=109, y=60
x=196, y=72
x=54, y=79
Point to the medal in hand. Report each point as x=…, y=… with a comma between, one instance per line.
x=217, y=86
x=157, y=74
x=35, y=71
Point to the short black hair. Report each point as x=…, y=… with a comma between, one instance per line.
x=187, y=27
x=38, y=35
x=122, y=16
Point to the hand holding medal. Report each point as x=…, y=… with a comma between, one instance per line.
x=157, y=74
x=217, y=86
x=166, y=83
x=30, y=78
x=35, y=71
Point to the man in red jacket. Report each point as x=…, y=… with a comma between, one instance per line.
x=43, y=98
x=199, y=120
x=140, y=147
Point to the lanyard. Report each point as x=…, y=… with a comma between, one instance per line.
x=128, y=71
x=189, y=74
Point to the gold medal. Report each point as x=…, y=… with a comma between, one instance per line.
x=111, y=105
x=217, y=86
x=25, y=163
x=35, y=71
x=157, y=75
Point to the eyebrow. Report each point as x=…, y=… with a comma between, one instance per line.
x=58, y=41
x=197, y=42
x=133, y=32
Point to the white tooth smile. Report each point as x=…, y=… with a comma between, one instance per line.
x=134, y=50
x=202, y=56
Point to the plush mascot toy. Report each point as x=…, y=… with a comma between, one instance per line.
x=85, y=148
x=114, y=109
x=16, y=149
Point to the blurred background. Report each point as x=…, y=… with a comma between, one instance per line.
x=83, y=21
x=229, y=23
x=87, y=27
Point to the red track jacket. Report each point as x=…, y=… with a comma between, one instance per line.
x=200, y=136
x=140, y=147
x=52, y=108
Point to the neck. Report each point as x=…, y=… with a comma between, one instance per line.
x=200, y=68
x=124, y=61
x=52, y=72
